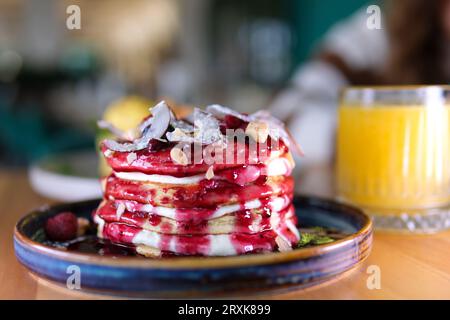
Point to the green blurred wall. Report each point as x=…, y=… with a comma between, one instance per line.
x=311, y=19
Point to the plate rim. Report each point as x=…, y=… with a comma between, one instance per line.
x=189, y=263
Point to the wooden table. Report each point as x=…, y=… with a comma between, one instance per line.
x=412, y=266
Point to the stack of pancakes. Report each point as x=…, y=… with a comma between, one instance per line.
x=162, y=205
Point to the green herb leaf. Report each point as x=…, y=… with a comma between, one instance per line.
x=305, y=239
x=313, y=239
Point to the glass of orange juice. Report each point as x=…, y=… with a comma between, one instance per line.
x=393, y=155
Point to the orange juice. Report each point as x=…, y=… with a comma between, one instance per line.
x=394, y=156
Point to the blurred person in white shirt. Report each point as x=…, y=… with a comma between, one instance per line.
x=411, y=47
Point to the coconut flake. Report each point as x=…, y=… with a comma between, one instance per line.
x=203, y=129
x=145, y=124
x=221, y=111
x=182, y=125
x=103, y=124
x=158, y=126
x=207, y=127
x=277, y=128
x=161, y=120
x=149, y=121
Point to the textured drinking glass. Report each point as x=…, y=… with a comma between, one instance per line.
x=393, y=155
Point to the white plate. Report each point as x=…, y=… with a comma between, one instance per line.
x=67, y=177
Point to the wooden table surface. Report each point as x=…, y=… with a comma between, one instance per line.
x=411, y=266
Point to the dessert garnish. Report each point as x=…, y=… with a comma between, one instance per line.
x=65, y=226
x=215, y=183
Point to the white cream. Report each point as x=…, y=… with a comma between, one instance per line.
x=158, y=178
x=275, y=204
x=148, y=238
x=221, y=245
x=276, y=165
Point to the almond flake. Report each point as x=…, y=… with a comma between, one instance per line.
x=120, y=210
x=259, y=131
x=178, y=156
x=283, y=245
x=210, y=173
x=131, y=157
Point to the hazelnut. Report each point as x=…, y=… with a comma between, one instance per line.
x=210, y=173
x=259, y=131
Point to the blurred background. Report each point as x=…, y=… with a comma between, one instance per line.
x=55, y=82
x=291, y=57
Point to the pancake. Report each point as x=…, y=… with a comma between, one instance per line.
x=207, y=193
x=247, y=221
x=197, y=213
x=160, y=161
x=205, y=245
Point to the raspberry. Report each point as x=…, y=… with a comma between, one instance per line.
x=61, y=227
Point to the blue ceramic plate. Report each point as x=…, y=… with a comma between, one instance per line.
x=188, y=277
